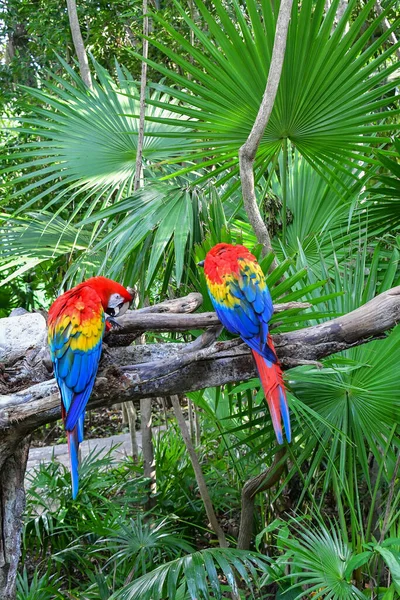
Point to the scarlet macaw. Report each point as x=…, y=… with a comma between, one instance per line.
x=242, y=301
x=76, y=324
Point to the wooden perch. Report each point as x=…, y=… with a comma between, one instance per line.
x=134, y=372
x=169, y=318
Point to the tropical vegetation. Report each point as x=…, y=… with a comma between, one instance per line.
x=327, y=185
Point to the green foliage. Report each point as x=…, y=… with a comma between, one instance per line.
x=94, y=135
x=31, y=32
x=327, y=185
x=384, y=193
x=320, y=560
x=198, y=575
x=38, y=588
x=54, y=520
x=329, y=105
x=315, y=557
x=143, y=543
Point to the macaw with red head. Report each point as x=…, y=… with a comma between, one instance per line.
x=76, y=324
x=240, y=295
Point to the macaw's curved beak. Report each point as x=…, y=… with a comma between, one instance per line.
x=200, y=263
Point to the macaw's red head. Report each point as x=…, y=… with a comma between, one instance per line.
x=222, y=260
x=114, y=297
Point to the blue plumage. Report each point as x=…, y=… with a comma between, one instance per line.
x=242, y=301
x=75, y=369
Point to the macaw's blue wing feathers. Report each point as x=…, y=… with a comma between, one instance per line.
x=78, y=406
x=242, y=301
x=76, y=330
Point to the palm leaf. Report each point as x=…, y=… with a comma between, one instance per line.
x=319, y=559
x=198, y=574
x=90, y=139
x=332, y=99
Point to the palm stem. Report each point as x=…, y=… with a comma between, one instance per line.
x=284, y=174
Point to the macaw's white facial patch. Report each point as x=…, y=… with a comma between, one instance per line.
x=117, y=306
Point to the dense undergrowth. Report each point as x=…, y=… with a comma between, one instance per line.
x=105, y=545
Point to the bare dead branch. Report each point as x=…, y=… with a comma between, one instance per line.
x=165, y=369
x=201, y=482
x=170, y=319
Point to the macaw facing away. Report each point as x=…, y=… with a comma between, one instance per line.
x=242, y=301
x=76, y=324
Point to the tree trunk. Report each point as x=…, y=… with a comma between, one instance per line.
x=13, y=459
x=197, y=426
x=191, y=420
x=132, y=417
x=142, y=109
x=248, y=151
x=78, y=43
x=147, y=448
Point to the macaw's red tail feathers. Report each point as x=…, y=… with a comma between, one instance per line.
x=73, y=451
x=274, y=389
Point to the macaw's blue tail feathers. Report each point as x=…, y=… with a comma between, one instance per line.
x=272, y=382
x=73, y=450
x=81, y=427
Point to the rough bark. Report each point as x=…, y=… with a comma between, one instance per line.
x=247, y=152
x=78, y=43
x=13, y=460
x=148, y=450
x=165, y=369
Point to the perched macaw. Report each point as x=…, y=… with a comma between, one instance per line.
x=242, y=301
x=76, y=324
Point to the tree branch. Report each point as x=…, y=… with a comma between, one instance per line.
x=142, y=108
x=248, y=151
x=386, y=26
x=201, y=482
x=165, y=369
x=78, y=43
x=262, y=482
